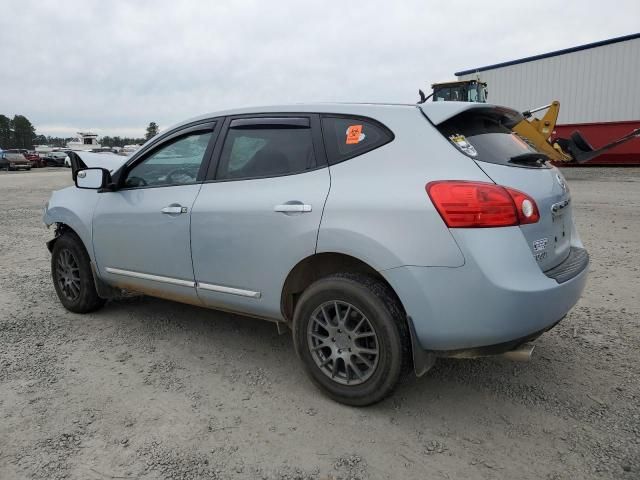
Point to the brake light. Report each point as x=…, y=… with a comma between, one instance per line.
x=464, y=204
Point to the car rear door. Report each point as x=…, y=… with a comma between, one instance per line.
x=141, y=235
x=259, y=212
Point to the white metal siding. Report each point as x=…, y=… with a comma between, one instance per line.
x=600, y=84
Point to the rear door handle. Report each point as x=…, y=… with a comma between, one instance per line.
x=292, y=208
x=174, y=209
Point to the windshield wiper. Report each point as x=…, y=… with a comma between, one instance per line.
x=536, y=158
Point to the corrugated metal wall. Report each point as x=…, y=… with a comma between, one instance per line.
x=601, y=84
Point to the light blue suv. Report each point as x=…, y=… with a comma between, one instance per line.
x=385, y=236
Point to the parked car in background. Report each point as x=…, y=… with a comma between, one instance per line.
x=56, y=159
x=385, y=236
x=33, y=157
x=14, y=161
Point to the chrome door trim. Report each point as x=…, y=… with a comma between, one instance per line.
x=230, y=290
x=148, y=276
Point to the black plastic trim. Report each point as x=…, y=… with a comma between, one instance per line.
x=573, y=265
x=271, y=122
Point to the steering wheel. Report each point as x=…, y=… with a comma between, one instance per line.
x=183, y=171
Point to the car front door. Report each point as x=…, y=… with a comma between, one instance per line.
x=259, y=213
x=141, y=230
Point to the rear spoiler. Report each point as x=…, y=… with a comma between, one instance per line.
x=440, y=112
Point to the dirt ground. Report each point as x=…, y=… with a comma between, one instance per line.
x=151, y=389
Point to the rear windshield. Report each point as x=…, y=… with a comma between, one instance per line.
x=486, y=135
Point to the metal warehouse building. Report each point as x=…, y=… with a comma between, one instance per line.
x=596, y=84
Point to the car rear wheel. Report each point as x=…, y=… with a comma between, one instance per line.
x=72, y=275
x=350, y=333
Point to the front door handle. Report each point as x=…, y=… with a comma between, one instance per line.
x=292, y=208
x=174, y=209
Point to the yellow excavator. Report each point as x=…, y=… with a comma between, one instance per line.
x=576, y=148
x=537, y=131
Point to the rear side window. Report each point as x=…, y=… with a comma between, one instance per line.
x=253, y=151
x=486, y=135
x=348, y=137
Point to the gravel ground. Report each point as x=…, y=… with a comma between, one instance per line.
x=150, y=389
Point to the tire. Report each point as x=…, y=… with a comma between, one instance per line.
x=332, y=355
x=72, y=275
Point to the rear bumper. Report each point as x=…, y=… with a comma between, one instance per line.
x=499, y=296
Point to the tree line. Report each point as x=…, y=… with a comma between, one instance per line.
x=19, y=132
x=16, y=132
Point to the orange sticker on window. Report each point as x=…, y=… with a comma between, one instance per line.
x=354, y=134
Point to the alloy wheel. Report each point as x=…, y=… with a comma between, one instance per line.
x=68, y=274
x=343, y=343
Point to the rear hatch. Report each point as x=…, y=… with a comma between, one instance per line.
x=484, y=133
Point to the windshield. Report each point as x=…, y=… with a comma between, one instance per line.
x=450, y=94
x=472, y=92
x=477, y=93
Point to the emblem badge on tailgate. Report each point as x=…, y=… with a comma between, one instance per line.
x=539, y=245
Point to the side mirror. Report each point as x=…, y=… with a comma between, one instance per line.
x=92, y=178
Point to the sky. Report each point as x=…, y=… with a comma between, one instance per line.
x=114, y=66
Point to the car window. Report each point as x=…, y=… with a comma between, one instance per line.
x=175, y=163
x=487, y=135
x=264, y=151
x=346, y=138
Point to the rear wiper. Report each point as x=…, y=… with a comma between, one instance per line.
x=537, y=158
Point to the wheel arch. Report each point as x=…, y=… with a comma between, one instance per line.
x=317, y=266
x=104, y=290
x=320, y=265
x=73, y=208
x=65, y=221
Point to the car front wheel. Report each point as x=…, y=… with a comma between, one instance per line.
x=72, y=275
x=351, y=335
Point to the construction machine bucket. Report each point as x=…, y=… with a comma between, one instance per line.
x=581, y=150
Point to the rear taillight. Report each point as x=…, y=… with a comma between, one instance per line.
x=463, y=204
x=525, y=206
